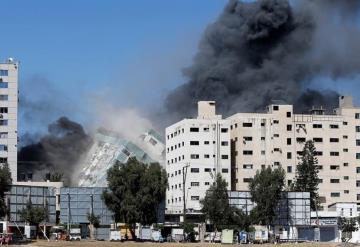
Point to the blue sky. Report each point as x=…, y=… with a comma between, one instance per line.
x=72, y=49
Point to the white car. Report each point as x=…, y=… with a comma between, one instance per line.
x=74, y=237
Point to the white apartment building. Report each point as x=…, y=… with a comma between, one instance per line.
x=196, y=150
x=276, y=138
x=8, y=115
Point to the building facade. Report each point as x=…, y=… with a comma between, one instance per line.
x=196, y=150
x=8, y=115
x=276, y=138
x=39, y=196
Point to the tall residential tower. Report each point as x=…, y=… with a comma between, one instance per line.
x=196, y=150
x=8, y=115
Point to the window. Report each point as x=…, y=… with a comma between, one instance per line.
x=262, y=152
x=334, y=139
x=235, y=125
x=289, y=169
x=224, y=130
x=195, y=184
x=345, y=123
x=3, y=97
x=195, y=198
x=335, y=194
x=194, y=143
x=346, y=177
x=276, y=149
x=225, y=143
x=358, y=156
x=357, y=183
x=318, y=153
x=276, y=121
x=263, y=138
x=276, y=163
x=317, y=139
x=357, y=142
x=289, y=127
x=334, y=167
x=346, y=164
x=334, y=153
x=3, y=147
x=262, y=124
x=357, y=115
x=3, y=135
x=3, y=122
x=357, y=169
x=3, y=160
x=206, y=142
x=357, y=128
x=300, y=139
x=247, y=152
x=225, y=170
x=206, y=129
x=194, y=170
x=224, y=156
x=320, y=167
x=4, y=72
x=345, y=150
x=289, y=155
x=247, y=138
x=193, y=129
x=194, y=156
x=345, y=137
x=207, y=170
x=153, y=141
x=275, y=107
x=334, y=126
x=247, y=166
x=288, y=114
x=206, y=156
x=358, y=197
x=317, y=126
x=4, y=85
x=320, y=180
x=334, y=181
x=288, y=141
x=207, y=183
x=300, y=153
x=276, y=135
x=247, y=180
x=247, y=124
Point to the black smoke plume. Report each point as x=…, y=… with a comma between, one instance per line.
x=267, y=50
x=59, y=151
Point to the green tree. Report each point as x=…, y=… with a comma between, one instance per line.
x=347, y=226
x=5, y=185
x=33, y=215
x=216, y=208
x=265, y=190
x=307, y=179
x=215, y=205
x=135, y=191
x=94, y=221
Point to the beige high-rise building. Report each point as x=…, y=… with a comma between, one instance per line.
x=276, y=138
x=8, y=115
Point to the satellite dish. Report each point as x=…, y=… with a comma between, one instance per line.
x=10, y=60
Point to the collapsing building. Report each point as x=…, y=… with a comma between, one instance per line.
x=110, y=147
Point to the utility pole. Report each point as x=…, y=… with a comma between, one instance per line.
x=184, y=173
x=68, y=221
